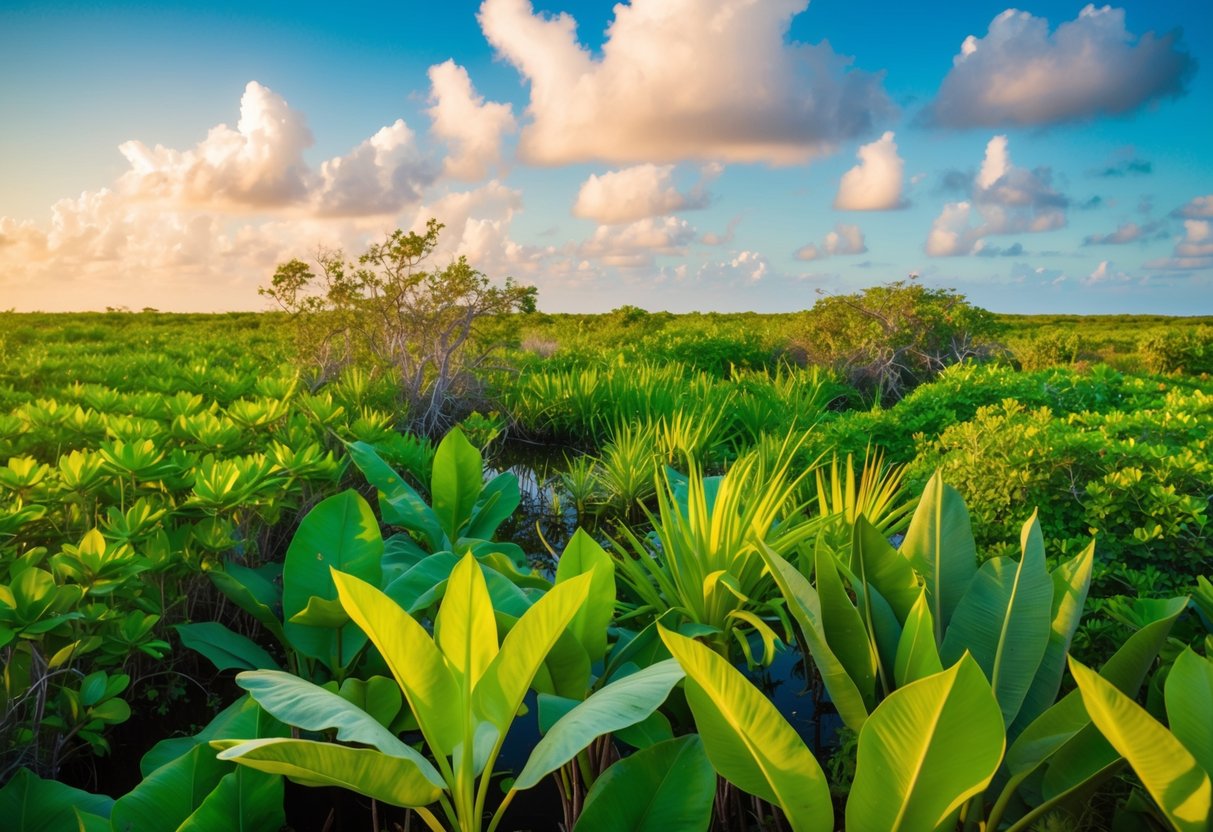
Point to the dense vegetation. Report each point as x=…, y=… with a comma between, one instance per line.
x=949, y=545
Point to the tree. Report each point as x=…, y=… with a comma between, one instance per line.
x=387, y=311
x=887, y=339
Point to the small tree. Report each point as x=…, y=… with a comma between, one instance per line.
x=887, y=339
x=386, y=310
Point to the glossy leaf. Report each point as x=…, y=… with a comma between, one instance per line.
x=1166, y=768
x=844, y=627
x=667, y=787
x=342, y=533
x=456, y=483
x=939, y=545
x=464, y=629
x=224, y=648
x=399, y=504
x=1004, y=621
x=582, y=555
x=1189, y=697
x=748, y=741
x=394, y=780
x=244, y=801
x=877, y=563
x=618, y=705
x=30, y=804
x=917, y=655
x=412, y=656
x=927, y=749
x=171, y=793
x=805, y=605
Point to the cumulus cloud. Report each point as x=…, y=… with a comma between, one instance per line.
x=471, y=127
x=257, y=165
x=1004, y=199
x=844, y=239
x=1022, y=74
x=1193, y=252
x=634, y=193
x=1197, y=207
x=875, y=183
x=650, y=98
x=637, y=244
x=379, y=176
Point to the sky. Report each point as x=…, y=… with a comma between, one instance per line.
x=682, y=155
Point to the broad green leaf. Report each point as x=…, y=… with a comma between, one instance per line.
x=339, y=533
x=412, y=656
x=496, y=502
x=457, y=481
x=464, y=629
x=805, y=606
x=1065, y=729
x=877, y=563
x=581, y=555
x=917, y=655
x=844, y=628
x=667, y=787
x=1166, y=768
x=748, y=741
x=1004, y=621
x=322, y=612
x=421, y=586
x=649, y=731
x=298, y=702
x=1189, y=697
x=927, y=749
x=243, y=718
x=244, y=801
x=620, y=704
x=224, y=648
x=171, y=793
x=1071, y=580
x=379, y=696
x=503, y=686
x=394, y=780
x=939, y=545
x=399, y=504
x=30, y=804
x=250, y=591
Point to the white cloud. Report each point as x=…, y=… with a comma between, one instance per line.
x=1197, y=207
x=875, y=183
x=1004, y=199
x=258, y=165
x=471, y=127
x=634, y=193
x=653, y=97
x=844, y=239
x=637, y=244
x=1021, y=74
x=379, y=176
x=1126, y=233
x=1193, y=252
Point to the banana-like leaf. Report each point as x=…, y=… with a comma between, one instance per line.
x=496, y=502
x=620, y=704
x=1189, y=697
x=748, y=741
x=581, y=555
x=1071, y=581
x=1004, y=621
x=457, y=481
x=30, y=804
x=368, y=771
x=399, y=504
x=244, y=801
x=1166, y=768
x=298, y=702
x=844, y=627
x=414, y=659
x=667, y=787
x=170, y=794
x=917, y=655
x=877, y=563
x=1064, y=736
x=927, y=749
x=939, y=545
x=225, y=649
x=504, y=684
x=242, y=719
x=805, y=605
x=464, y=629
x=253, y=593
x=339, y=533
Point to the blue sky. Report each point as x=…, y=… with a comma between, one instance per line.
x=672, y=154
